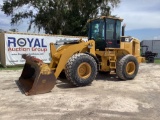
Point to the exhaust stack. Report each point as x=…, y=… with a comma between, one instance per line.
x=123, y=29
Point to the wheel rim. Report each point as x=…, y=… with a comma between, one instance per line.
x=130, y=68
x=84, y=70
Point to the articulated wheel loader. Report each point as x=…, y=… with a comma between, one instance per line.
x=104, y=51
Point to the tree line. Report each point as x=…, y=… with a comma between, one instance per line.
x=67, y=17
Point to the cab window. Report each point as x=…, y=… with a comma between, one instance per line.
x=97, y=30
x=118, y=30
x=110, y=29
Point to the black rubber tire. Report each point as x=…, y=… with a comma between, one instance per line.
x=118, y=68
x=151, y=60
x=62, y=77
x=122, y=64
x=71, y=69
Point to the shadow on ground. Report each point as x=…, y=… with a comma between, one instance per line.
x=103, y=76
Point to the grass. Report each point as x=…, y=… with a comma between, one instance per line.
x=157, y=60
x=11, y=67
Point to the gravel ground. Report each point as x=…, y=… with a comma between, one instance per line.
x=106, y=99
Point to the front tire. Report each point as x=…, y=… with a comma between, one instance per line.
x=81, y=69
x=127, y=67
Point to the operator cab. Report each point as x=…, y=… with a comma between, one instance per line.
x=106, y=32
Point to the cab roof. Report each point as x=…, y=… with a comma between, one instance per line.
x=105, y=17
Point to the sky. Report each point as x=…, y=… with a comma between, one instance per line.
x=142, y=19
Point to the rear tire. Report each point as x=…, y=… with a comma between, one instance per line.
x=81, y=69
x=127, y=67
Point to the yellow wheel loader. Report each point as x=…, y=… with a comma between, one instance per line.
x=80, y=61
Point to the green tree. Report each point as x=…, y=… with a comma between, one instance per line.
x=57, y=16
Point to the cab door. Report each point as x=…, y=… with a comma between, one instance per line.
x=97, y=33
x=112, y=33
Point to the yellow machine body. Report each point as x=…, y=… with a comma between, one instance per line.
x=61, y=56
x=80, y=61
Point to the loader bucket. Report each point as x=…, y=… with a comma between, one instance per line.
x=36, y=77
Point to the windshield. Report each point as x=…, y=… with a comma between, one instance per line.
x=97, y=30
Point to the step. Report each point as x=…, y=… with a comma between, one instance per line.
x=112, y=72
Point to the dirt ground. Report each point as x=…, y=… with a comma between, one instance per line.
x=106, y=99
